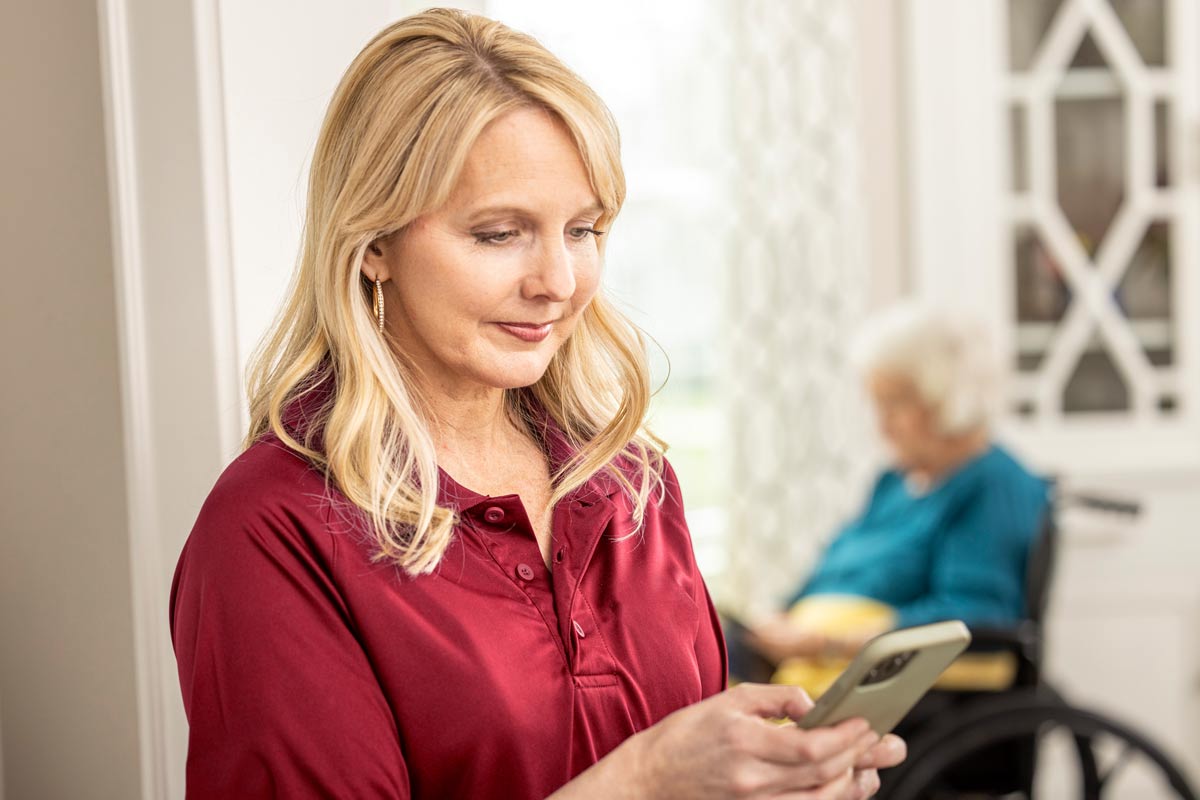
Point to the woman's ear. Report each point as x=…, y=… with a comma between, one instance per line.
x=375, y=259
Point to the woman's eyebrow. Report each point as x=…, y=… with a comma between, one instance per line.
x=595, y=209
x=505, y=210
x=496, y=211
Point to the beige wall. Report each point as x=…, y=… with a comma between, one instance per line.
x=66, y=635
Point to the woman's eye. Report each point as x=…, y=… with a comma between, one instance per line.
x=495, y=237
x=579, y=234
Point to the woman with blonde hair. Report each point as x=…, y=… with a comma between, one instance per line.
x=451, y=561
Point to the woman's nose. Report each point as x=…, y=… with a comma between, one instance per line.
x=552, y=273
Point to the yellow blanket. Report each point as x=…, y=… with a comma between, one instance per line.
x=844, y=615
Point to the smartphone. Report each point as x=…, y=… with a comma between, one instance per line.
x=889, y=675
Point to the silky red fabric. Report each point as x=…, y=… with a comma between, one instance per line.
x=308, y=671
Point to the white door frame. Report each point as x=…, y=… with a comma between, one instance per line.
x=179, y=373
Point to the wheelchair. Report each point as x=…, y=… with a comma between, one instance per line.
x=987, y=744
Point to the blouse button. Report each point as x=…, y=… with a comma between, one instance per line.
x=525, y=571
x=558, y=557
x=494, y=514
x=578, y=629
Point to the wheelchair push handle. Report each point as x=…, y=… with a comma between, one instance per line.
x=1062, y=497
x=1099, y=502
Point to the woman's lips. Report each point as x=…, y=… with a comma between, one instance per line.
x=527, y=332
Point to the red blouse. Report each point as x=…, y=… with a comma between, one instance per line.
x=308, y=671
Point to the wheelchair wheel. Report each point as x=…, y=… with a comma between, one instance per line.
x=1031, y=716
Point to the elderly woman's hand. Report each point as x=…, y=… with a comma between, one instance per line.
x=726, y=747
x=778, y=637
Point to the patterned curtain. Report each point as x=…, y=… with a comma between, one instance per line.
x=797, y=290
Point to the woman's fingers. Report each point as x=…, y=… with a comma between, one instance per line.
x=790, y=746
x=769, y=700
x=781, y=638
x=866, y=782
x=843, y=787
x=729, y=741
x=764, y=641
x=791, y=759
x=846, y=740
x=887, y=752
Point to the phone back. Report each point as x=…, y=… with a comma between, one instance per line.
x=889, y=675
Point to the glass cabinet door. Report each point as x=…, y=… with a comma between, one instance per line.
x=1093, y=95
x=1053, y=161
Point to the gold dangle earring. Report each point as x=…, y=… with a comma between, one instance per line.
x=379, y=303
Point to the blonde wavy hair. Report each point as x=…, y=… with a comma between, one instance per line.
x=391, y=147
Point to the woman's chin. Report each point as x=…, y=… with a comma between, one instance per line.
x=519, y=372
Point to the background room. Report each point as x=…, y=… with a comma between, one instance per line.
x=793, y=166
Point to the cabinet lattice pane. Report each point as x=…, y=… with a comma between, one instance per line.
x=1089, y=114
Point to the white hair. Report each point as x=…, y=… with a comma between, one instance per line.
x=948, y=356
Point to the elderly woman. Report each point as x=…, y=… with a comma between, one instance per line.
x=451, y=562
x=947, y=527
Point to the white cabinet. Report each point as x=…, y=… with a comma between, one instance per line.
x=1054, y=191
x=1124, y=627
x=1055, y=183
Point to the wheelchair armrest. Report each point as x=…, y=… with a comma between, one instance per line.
x=1024, y=639
x=1018, y=647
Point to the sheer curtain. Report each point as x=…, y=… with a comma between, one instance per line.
x=797, y=290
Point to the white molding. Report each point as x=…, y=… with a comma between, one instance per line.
x=882, y=138
x=233, y=413
x=956, y=196
x=145, y=553
x=179, y=366
x=1184, y=144
x=1099, y=444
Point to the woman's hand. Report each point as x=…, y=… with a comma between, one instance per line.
x=778, y=638
x=727, y=747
